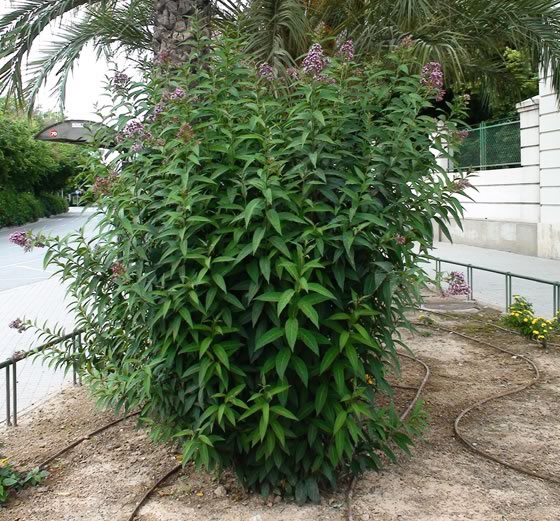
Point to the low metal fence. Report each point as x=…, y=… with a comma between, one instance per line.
x=508, y=278
x=10, y=366
x=490, y=146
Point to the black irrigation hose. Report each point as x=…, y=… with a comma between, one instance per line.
x=149, y=492
x=480, y=403
x=86, y=437
x=70, y=446
x=403, y=417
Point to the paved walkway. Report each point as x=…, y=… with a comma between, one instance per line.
x=490, y=287
x=42, y=302
x=28, y=291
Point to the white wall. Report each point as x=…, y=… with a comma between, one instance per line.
x=518, y=209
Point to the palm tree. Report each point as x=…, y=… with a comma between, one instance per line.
x=171, y=26
x=467, y=36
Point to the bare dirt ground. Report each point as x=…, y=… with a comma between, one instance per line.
x=104, y=477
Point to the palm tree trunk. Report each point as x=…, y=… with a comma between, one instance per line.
x=173, y=23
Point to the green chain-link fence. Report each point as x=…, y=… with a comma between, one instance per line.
x=491, y=146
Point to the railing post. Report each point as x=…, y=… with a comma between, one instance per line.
x=508, y=291
x=482, y=146
x=470, y=281
x=74, y=372
x=555, y=298
x=8, y=398
x=14, y=383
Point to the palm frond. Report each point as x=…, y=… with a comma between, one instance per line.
x=277, y=30
x=110, y=30
x=18, y=31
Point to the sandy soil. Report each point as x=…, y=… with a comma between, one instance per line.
x=103, y=478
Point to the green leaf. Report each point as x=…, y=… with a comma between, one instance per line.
x=321, y=398
x=340, y=421
x=308, y=338
x=252, y=206
x=282, y=411
x=264, y=263
x=274, y=219
x=313, y=490
x=257, y=238
x=309, y=311
x=282, y=361
x=328, y=359
x=280, y=245
x=301, y=369
x=278, y=431
x=263, y=424
x=291, y=329
x=317, y=288
x=284, y=300
x=220, y=352
x=270, y=296
x=270, y=336
x=301, y=493
x=338, y=374
x=220, y=282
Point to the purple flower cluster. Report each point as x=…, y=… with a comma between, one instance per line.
x=457, y=284
x=134, y=129
x=432, y=77
x=102, y=185
x=315, y=61
x=120, y=79
x=26, y=240
x=178, y=93
x=164, y=57
x=160, y=107
x=19, y=238
x=461, y=184
x=185, y=133
x=400, y=239
x=346, y=51
x=293, y=73
x=406, y=42
x=18, y=324
x=117, y=269
x=266, y=71
x=462, y=134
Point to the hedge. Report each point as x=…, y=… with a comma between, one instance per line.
x=20, y=208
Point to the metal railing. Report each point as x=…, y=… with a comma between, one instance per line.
x=508, y=278
x=10, y=366
x=490, y=146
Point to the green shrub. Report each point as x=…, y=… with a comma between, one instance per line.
x=255, y=257
x=30, y=207
x=53, y=204
x=8, y=209
x=19, y=208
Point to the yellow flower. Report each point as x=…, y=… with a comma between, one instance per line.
x=541, y=337
x=535, y=332
x=3, y=462
x=534, y=321
x=525, y=320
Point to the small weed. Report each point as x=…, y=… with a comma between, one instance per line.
x=12, y=480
